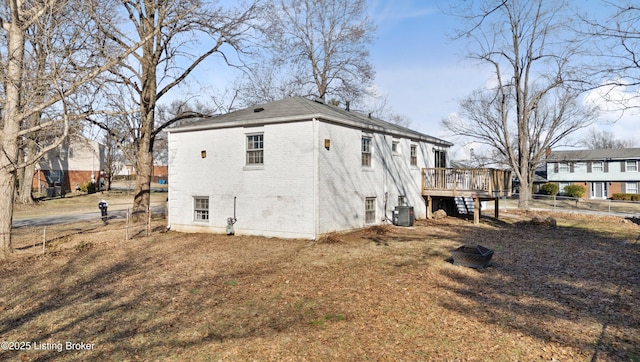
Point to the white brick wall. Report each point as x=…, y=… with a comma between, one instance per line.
x=345, y=184
x=275, y=200
x=302, y=191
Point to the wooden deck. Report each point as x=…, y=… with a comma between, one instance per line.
x=483, y=183
x=478, y=183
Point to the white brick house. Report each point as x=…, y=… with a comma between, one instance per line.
x=297, y=168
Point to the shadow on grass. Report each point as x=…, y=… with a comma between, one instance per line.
x=126, y=310
x=562, y=285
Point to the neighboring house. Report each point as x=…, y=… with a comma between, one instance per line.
x=159, y=172
x=539, y=179
x=76, y=161
x=296, y=168
x=601, y=172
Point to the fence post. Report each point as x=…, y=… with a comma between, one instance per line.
x=126, y=227
x=44, y=238
x=148, y=220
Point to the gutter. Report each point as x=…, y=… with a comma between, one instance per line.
x=310, y=117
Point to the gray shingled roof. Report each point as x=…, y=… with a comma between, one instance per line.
x=302, y=109
x=595, y=155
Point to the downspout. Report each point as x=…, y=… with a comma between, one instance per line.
x=169, y=178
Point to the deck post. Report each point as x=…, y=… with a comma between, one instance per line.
x=429, y=207
x=496, y=208
x=476, y=210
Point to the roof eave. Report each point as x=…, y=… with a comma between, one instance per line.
x=309, y=117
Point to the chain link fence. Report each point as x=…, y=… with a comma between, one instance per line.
x=626, y=209
x=38, y=230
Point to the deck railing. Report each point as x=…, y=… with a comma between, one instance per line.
x=482, y=181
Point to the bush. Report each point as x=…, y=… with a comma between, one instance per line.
x=89, y=187
x=574, y=191
x=625, y=197
x=549, y=189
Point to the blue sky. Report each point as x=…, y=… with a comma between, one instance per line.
x=424, y=74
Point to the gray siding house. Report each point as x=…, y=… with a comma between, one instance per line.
x=602, y=172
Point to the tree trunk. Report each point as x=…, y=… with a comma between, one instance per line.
x=9, y=133
x=142, y=197
x=7, y=190
x=26, y=182
x=25, y=175
x=148, y=99
x=524, y=194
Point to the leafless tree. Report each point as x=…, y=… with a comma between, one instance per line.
x=530, y=105
x=316, y=48
x=615, y=53
x=70, y=65
x=184, y=34
x=604, y=139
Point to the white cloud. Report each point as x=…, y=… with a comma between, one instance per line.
x=619, y=111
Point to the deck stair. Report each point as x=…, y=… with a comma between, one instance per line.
x=464, y=205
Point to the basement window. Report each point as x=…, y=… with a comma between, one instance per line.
x=201, y=208
x=370, y=210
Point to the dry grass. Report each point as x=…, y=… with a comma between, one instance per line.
x=569, y=293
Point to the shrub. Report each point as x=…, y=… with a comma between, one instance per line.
x=549, y=189
x=574, y=191
x=89, y=187
x=625, y=197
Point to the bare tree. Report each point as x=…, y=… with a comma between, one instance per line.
x=531, y=106
x=615, y=53
x=71, y=64
x=184, y=34
x=604, y=139
x=317, y=48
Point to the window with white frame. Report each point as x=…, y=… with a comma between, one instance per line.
x=631, y=166
x=414, y=155
x=564, y=167
x=370, y=210
x=395, y=147
x=255, y=149
x=366, y=151
x=597, y=166
x=201, y=208
x=631, y=188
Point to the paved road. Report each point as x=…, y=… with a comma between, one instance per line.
x=63, y=219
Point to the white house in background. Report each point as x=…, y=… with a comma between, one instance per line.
x=295, y=168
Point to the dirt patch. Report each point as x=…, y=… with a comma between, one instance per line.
x=568, y=293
